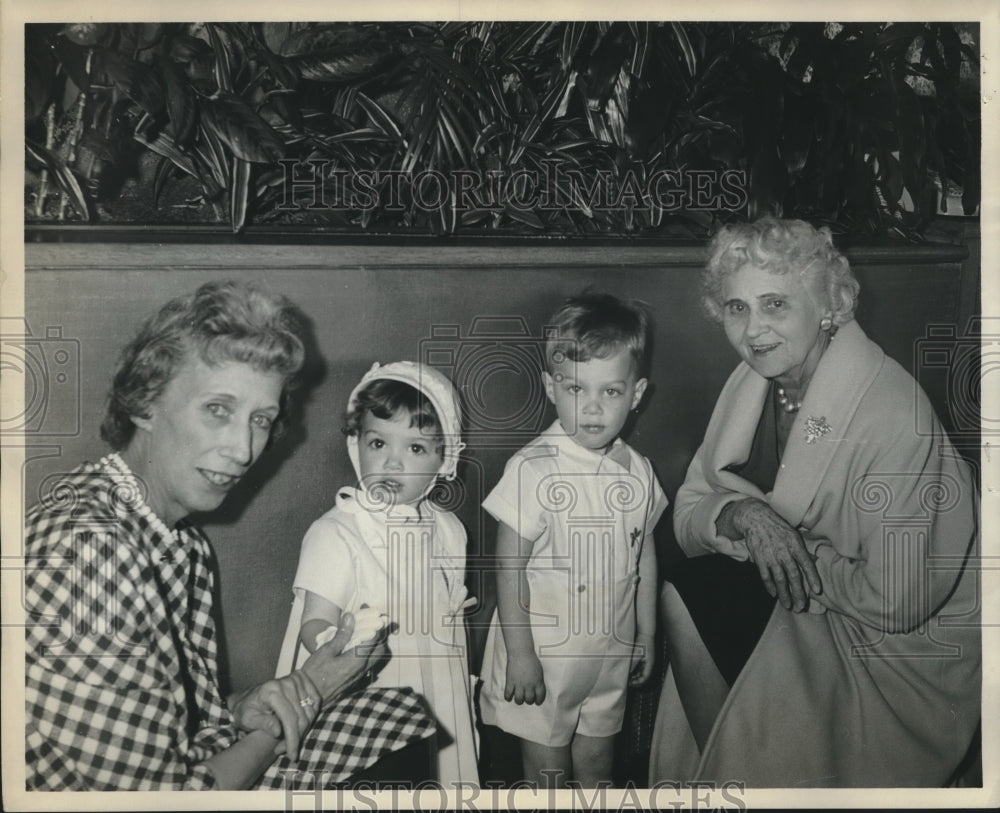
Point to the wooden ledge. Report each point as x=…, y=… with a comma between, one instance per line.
x=68, y=248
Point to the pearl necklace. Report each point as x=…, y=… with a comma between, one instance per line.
x=136, y=496
x=786, y=403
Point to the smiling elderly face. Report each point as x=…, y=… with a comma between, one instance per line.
x=773, y=321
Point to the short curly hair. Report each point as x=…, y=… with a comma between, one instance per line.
x=780, y=247
x=593, y=324
x=220, y=322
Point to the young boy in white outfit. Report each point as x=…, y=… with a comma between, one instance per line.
x=576, y=581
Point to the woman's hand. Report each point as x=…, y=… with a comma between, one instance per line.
x=525, y=681
x=333, y=671
x=786, y=567
x=643, y=658
x=284, y=708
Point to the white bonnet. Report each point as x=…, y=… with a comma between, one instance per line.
x=437, y=389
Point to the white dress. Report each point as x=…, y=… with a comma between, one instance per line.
x=410, y=564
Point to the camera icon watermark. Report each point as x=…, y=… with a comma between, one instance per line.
x=953, y=366
x=497, y=367
x=47, y=368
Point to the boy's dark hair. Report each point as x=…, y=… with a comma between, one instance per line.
x=383, y=398
x=597, y=325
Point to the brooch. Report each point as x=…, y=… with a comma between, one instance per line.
x=816, y=428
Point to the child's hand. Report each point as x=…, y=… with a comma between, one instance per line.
x=643, y=658
x=368, y=623
x=525, y=682
x=333, y=669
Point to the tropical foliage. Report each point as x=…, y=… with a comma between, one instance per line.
x=564, y=128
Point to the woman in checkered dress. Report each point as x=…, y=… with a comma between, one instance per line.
x=122, y=689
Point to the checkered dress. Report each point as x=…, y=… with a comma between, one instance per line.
x=121, y=684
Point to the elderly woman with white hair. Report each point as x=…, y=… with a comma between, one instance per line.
x=824, y=629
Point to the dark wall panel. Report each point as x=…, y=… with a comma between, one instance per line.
x=365, y=312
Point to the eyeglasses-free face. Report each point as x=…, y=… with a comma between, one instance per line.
x=593, y=398
x=773, y=322
x=202, y=434
x=398, y=461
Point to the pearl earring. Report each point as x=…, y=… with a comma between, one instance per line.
x=825, y=323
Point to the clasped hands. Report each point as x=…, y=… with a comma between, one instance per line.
x=286, y=707
x=786, y=567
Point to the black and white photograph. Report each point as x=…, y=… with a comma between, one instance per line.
x=463, y=407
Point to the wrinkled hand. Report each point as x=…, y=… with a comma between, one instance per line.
x=333, y=671
x=525, y=682
x=284, y=708
x=643, y=658
x=786, y=567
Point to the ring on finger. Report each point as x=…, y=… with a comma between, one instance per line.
x=306, y=702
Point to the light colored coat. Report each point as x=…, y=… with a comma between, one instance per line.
x=878, y=685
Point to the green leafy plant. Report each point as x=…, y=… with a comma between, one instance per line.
x=859, y=125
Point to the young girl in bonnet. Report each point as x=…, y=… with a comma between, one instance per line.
x=387, y=553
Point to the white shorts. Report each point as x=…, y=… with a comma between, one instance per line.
x=584, y=695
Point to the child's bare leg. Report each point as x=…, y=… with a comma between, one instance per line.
x=593, y=758
x=554, y=760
